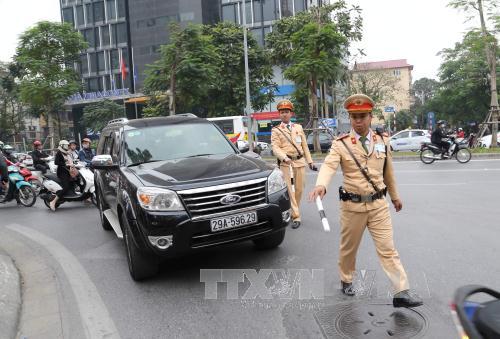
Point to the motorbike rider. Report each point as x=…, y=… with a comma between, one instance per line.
x=64, y=162
x=72, y=150
x=4, y=174
x=7, y=151
x=437, y=137
x=460, y=133
x=39, y=157
x=86, y=153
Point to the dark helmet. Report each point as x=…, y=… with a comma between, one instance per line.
x=72, y=142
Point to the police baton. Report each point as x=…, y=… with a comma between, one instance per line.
x=324, y=220
x=292, y=179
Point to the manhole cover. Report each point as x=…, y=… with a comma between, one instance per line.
x=359, y=320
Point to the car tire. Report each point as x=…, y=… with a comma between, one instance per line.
x=141, y=265
x=271, y=241
x=104, y=222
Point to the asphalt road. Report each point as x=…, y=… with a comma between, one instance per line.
x=447, y=236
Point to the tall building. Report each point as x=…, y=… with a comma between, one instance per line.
x=123, y=37
x=390, y=76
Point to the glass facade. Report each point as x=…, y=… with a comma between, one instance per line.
x=103, y=25
x=260, y=14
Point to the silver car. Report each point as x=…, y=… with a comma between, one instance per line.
x=409, y=139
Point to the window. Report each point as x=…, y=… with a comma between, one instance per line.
x=93, y=84
x=403, y=135
x=228, y=13
x=107, y=82
x=105, y=36
x=121, y=8
x=286, y=8
x=227, y=126
x=89, y=14
x=89, y=36
x=396, y=72
x=111, y=10
x=258, y=35
x=417, y=133
x=248, y=10
x=121, y=33
x=187, y=16
x=299, y=6
x=99, y=11
x=68, y=16
x=79, y=16
x=84, y=66
x=108, y=145
x=93, y=63
x=115, y=59
x=101, y=67
x=269, y=10
x=257, y=11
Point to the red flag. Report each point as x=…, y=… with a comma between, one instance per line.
x=123, y=69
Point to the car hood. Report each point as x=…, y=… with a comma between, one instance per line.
x=209, y=169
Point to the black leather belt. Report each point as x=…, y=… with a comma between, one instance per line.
x=345, y=196
x=296, y=157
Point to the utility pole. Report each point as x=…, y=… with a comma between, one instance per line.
x=248, y=106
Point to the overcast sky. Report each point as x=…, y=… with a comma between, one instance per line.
x=415, y=30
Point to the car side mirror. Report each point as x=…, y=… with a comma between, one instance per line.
x=104, y=161
x=242, y=146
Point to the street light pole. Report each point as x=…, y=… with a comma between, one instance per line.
x=247, y=81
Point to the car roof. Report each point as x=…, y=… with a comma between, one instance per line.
x=155, y=121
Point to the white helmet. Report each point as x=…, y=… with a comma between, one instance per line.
x=64, y=144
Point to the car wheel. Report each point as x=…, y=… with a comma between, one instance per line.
x=140, y=265
x=270, y=241
x=104, y=222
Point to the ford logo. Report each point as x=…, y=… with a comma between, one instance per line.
x=230, y=199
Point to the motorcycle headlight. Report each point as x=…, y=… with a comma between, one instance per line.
x=158, y=199
x=275, y=182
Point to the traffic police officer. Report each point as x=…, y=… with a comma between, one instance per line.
x=290, y=147
x=366, y=163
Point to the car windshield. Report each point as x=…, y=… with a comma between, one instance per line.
x=174, y=142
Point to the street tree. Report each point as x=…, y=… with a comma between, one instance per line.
x=187, y=68
x=463, y=94
x=12, y=111
x=380, y=85
x=313, y=46
x=46, y=54
x=228, y=96
x=422, y=90
x=490, y=47
x=97, y=115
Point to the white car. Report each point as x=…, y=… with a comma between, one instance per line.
x=409, y=139
x=486, y=140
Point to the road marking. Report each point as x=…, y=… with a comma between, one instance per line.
x=447, y=184
x=95, y=317
x=398, y=161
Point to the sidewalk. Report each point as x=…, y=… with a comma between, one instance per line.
x=10, y=297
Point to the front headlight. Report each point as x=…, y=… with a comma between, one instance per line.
x=158, y=199
x=275, y=182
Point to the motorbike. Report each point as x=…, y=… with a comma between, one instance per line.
x=83, y=187
x=476, y=320
x=459, y=150
x=32, y=177
x=19, y=189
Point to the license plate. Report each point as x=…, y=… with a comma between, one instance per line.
x=233, y=221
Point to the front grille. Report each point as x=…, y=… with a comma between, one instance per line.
x=205, y=202
x=205, y=239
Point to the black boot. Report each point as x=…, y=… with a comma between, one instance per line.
x=348, y=289
x=406, y=299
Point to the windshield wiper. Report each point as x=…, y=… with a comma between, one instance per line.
x=142, y=162
x=199, y=155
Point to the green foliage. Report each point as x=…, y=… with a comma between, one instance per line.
x=12, y=111
x=312, y=45
x=208, y=68
x=45, y=56
x=463, y=94
x=98, y=114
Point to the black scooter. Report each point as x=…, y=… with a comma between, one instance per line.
x=430, y=152
x=476, y=320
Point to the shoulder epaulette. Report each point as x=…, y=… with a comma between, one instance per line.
x=340, y=137
x=385, y=134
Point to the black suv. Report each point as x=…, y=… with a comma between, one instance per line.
x=170, y=185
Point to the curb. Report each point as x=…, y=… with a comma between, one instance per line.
x=10, y=298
